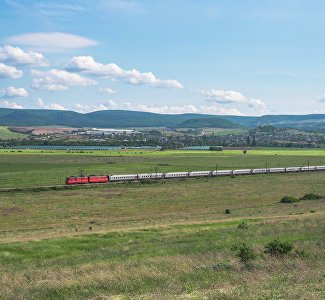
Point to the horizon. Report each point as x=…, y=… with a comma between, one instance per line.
x=164, y=57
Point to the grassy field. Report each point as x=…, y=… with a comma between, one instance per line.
x=6, y=134
x=35, y=167
x=161, y=239
x=164, y=240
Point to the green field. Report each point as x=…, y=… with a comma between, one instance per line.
x=6, y=134
x=160, y=239
x=19, y=168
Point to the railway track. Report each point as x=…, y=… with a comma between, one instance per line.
x=116, y=179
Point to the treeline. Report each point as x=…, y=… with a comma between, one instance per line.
x=265, y=136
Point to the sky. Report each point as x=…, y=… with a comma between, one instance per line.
x=221, y=57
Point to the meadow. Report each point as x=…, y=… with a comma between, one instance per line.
x=20, y=168
x=162, y=239
x=6, y=134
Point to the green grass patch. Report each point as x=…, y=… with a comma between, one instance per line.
x=6, y=134
x=20, y=168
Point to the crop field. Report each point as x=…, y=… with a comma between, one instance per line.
x=172, y=239
x=20, y=168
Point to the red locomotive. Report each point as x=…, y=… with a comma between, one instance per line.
x=87, y=179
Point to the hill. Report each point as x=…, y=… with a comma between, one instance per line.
x=107, y=118
x=208, y=123
x=125, y=119
x=304, y=122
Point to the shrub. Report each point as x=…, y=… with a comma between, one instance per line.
x=311, y=197
x=245, y=253
x=277, y=248
x=227, y=211
x=289, y=199
x=243, y=225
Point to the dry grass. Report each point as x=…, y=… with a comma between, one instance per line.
x=163, y=240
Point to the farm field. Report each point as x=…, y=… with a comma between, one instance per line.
x=164, y=240
x=20, y=168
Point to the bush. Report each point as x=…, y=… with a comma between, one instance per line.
x=245, y=253
x=311, y=197
x=243, y=225
x=289, y=199
x=227, y=211
x=277, y=248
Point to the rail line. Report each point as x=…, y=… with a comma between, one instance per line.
x=115, y=179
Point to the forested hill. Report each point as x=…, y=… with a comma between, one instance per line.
x=107, y=118
x=125, y=119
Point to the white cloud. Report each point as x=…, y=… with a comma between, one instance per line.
x=55, y=106
x=164, y=109
x=221, y=96
x=9, y=71
x=40, y=102
x=233, y=97
x=211, y=109
x=58, y=80
x=88, y=65
x=107, y=90
x=16, y=55
x=12, y=92
x=52, y=41
x=110, y=104
x=258, y=105
x=7, y=104
x=215, y=109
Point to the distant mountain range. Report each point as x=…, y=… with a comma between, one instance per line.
x=129, y=119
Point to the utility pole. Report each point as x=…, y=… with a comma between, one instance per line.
x=266, y=167
x=308, y=165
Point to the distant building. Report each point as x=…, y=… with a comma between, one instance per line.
x=108, y=131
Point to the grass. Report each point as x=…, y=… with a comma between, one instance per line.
x=35, y=167
x=6, y=134
x=164, y=240
x=171, y=261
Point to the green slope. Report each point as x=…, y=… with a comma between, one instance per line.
x=211, y=122
x=6, y=134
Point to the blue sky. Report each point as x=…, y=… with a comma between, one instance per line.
x=169, y=56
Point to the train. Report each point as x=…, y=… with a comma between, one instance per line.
x=173, y=175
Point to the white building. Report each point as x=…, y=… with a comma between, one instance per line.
x=109, y=131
